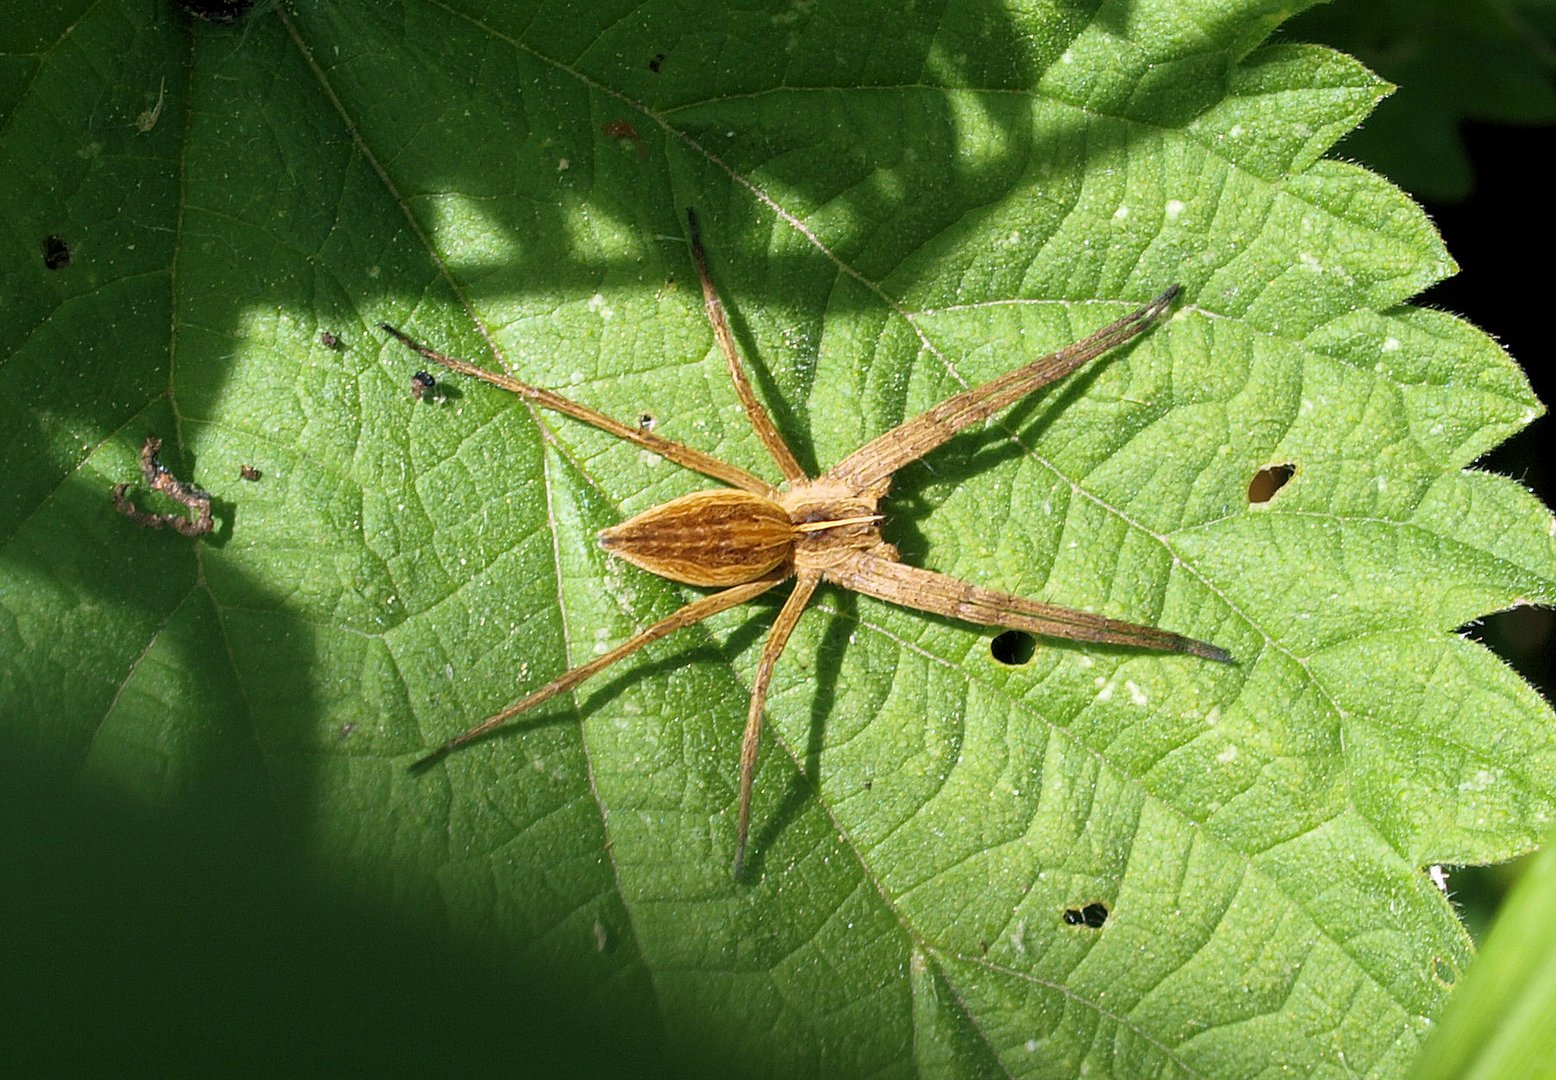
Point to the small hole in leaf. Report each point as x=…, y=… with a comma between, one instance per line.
x=1268, y=480
x=656, y=63
x=1013, y=647
x=1443, y=971
x=1092, y=916
x=56, y=253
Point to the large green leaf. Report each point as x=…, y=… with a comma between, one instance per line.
x=898, y=203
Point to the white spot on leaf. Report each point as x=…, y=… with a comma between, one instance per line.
x=1480, y=780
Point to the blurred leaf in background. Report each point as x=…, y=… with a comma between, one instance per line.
x=1453, y=61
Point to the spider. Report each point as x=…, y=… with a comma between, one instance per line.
x=752, y=535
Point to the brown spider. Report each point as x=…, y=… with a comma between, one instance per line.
x=750, y=536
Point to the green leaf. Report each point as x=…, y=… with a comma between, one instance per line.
x=898, y=204
x=1499, y=1023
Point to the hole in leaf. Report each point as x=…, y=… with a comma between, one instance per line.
x=656, y=63
x=1443, y=971
x=1013, y=647
x=1092, y=916
x=1268, y=480
x=56, y=253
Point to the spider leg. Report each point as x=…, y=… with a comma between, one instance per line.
x=761, y=422
x=882, y=456
x=679, y=453
x=692, y=613
x=911, y=586
x=777, y=638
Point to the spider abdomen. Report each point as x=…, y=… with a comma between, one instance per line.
x=711, y=538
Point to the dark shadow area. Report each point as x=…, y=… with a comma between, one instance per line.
x=191, y=943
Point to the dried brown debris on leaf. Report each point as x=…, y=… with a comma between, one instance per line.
x=158, y=478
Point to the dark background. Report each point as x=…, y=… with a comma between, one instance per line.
x=1502, y=238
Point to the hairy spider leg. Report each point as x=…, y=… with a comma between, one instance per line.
x=690, y=614
x=904, y=444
